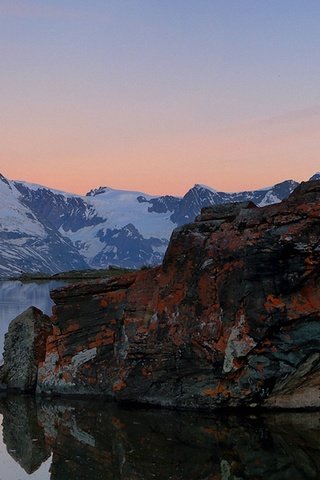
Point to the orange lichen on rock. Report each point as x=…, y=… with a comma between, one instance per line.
x=104, y=337
x=233, y=310
x=273, y=302
x=219, y=390
x=118, y=386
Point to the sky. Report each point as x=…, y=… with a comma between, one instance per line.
x=157, y=95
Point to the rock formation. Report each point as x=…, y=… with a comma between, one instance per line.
x=230, y=319
x=24, y=349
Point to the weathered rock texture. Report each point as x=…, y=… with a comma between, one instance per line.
x=24, y=349
x=231, y=318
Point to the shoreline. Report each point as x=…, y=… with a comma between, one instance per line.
x=112, y=271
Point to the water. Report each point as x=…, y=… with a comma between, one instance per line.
x=15, y=297
x=91, y=440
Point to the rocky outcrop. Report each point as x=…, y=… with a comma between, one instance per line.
x=230, y=319
x=24, y=349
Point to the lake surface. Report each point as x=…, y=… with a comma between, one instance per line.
x=60, y=439
x=91, y=440
x=15, y=297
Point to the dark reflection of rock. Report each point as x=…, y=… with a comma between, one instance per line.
x=22, y=434
x=93, y=440
x=102, y=441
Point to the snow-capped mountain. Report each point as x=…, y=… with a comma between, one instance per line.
x=316, y=176
x=201, y=196
x=28, y=244
x=47, y=230
x=132, y=234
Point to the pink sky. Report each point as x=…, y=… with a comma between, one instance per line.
x=158, y=96
x=241, y=157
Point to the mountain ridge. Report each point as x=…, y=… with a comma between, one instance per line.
x=48, y=230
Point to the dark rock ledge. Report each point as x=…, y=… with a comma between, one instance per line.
x=231, y=318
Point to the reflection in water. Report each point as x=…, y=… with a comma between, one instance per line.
x=91, y=440
x=15, y=297
x=22, y=434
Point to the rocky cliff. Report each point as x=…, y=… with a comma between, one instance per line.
x=231, y=318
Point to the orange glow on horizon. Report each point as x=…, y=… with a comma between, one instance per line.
x=237, y=159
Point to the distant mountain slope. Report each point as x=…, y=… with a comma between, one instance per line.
x=28, y=244
x=316, y=176
x=201, y=196
x=61, y=210
x=43, y=229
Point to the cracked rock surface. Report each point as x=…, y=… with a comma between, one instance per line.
x=230, y=319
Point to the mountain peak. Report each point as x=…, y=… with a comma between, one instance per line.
x=316, y=176
x=4, y=180
x=98, y=191
x=200, y=186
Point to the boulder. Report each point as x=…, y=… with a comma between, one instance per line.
x=24, y=349
x=231, y=318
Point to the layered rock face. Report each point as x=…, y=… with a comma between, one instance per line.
x=24, y=349
x=231, y=318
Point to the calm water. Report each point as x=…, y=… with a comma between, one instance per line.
x=91, y=440
x=15, y=297
x=82, y=440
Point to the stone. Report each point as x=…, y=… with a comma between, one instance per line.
x=224, y=211
x=230, y=319
x=301, y=388
x=24, y=349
